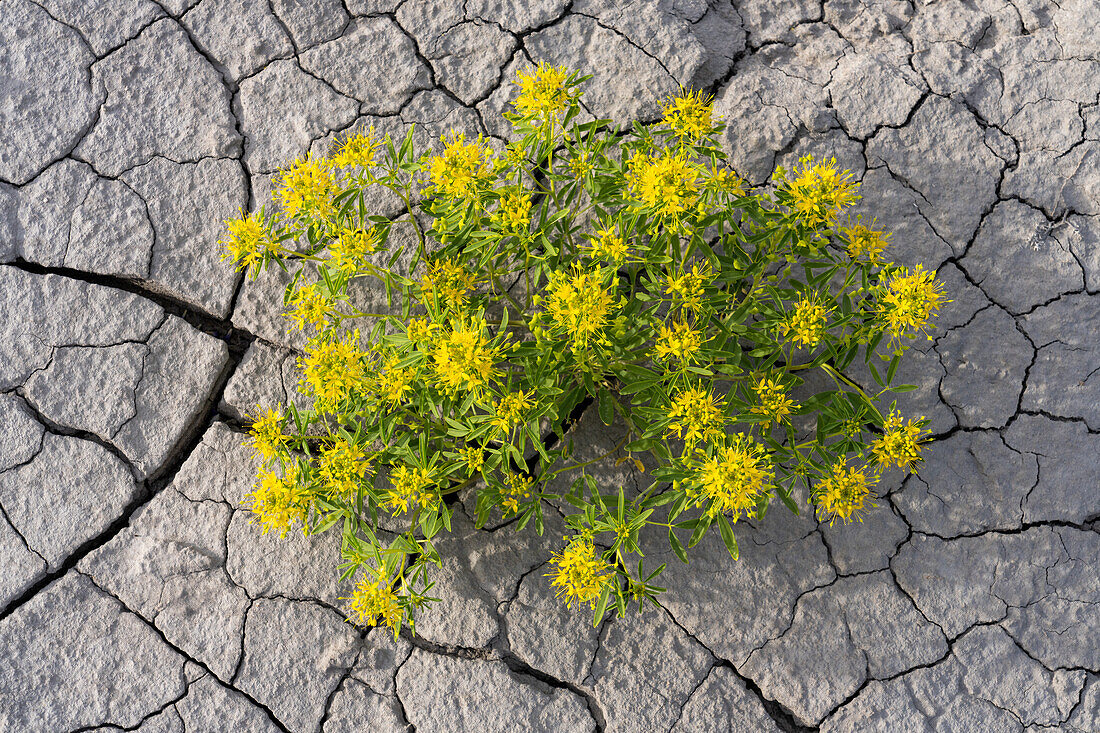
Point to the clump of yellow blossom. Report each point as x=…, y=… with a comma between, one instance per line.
x=731, y=481
x=909, y=299
x=579, y=573
x=774, y=402
x=695, y=415
x=267, y=434
x=609, y=245
x=449, y=281
x=342, y=468
x=690, y=115
x=805, y=326
x=420, y=330
x=726, y=181
x=308, y=306
x=900, y=443
x=844, y=493
x=359, y=150
x=517, y=488
x=578, y=303
x=866, y=243
x=543, y=92
x=394, y=381
x=463, y=358
x=666, y=182
x=474, y=457
x=306, y=189
x=333, y=369
x=679, y=342
x=514, y=212
x=411, y=486
x=373, y=602
x=687, y=287
x=350, y=248
x=819, y=192
x=247, y=241
x=279, y=501
x=462, y=169
x=511, y=410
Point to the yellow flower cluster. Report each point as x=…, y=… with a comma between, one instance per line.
x=247, y=241
x=267, y=435
x=844, y=493
x=464, y=358
x=579, y=573
x=462, y=170
x=394, y=381
x=820, y=191
x=511, y=410
x=690, y=115
x=544, y=92
x=774, y=402
x=342, y=469
x=866, y=243
x=373, y=602
x=517, y=488
x=308, y=306
x=579, y=304
x=350, y=248
x=514, y=213
x=807, y=323
x=608, y=245
x=474, y=457
x=411, y=486
x=687, y=287
x=333, y=370
x=732, y=481
x=279, y=501
x=679, y=342
x=696, y=415
x=306, y=189
x=900, y=443
x=358, y=150
x=667, y=183
x=909, y=300
x=449, y=281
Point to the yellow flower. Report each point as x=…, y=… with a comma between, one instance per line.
x=279, y=501
x=462, y=169
x=734, y=479
x=774, y=402
x=306, y=190
x=579, y=573
x=866, y=243
x=725, y=180
x=687, y=287
x=410, y=487
x=357, y=150
x=342, y=468
x=373, y=601
x=267, y=435
x=679, y=342
x=514, y=213
x=333, y=370
x=350, y=248
x=908, y=300
x=394, y=381
x=420, y=330
x=308, y=306
x=696, y=415
x=474, y=457
x=516, y=488
x=580, y=166
x=807, y=324
x=819, y=192
x=578, y=304
x=690, y=115
x=843, y=493
x=511, y=410
x=449, y=281
x=667, y=183
x=543, y=92
x=900, y=443
x=247, y=241
x=464, y=359
x=608, y=245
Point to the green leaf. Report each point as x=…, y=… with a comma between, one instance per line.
x=727, y=537
x=607, y=406
x=676, y=546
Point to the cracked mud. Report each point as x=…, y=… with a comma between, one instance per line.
x=137, y=596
